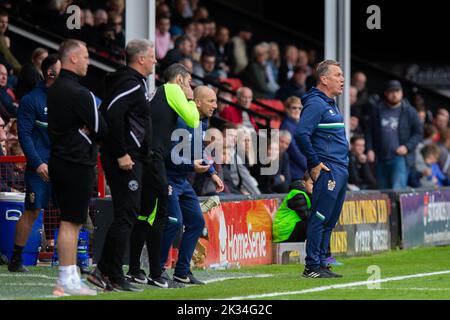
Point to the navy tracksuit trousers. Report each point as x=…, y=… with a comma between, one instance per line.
x=327, y=201
x=183, y=206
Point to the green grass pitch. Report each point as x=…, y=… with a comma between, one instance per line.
x=279, y=281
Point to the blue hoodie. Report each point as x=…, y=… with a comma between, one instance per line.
x=321, y=131
x=297, y=163
x=33, y=128
x=187, y=164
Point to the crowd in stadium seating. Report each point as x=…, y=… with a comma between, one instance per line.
x=186, y=33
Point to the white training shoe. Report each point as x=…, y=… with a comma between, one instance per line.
x=71, y=289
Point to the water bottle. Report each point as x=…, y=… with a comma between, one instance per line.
x=83, y=249
x=219, y=266
x=225, y=265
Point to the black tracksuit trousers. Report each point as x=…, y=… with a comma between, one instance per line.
x=126, y=190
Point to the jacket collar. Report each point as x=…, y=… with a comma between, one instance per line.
x=70, y=75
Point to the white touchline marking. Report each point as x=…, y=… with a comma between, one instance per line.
x=42, y=276
x=401, y=289
x=338, y=286
x=26, y=284
x=238, y=277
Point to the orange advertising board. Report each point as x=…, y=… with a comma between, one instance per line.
x=238, y=232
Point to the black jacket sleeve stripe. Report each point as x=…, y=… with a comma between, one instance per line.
x=95, y=113
x=123, y=94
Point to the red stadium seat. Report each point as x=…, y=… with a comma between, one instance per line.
x=234, y=82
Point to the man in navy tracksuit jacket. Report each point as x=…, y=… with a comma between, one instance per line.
x=35, y=142
x=184, y=208
x=321, y=137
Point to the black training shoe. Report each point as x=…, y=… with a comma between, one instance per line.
x=123, y=285
x=84, y=270
x=16, y=266
x=138, y=277
x=97, y=278
x=318, y=273
x=164, y=281
x=331, y=273
x=187, y=279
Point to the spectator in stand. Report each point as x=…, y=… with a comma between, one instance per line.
x=234, y=167
x=56, y=16
x=163, y=9
x=353, y=98
x=360, y=173
x=8, y=178
x=394, y=133
x=418, y=103
x=420, y=168
x=274, y=61
x=223, y=49
x=267, y=183
x=303, y=58
x=163, y=41
x=423, y=114
x=240, y=43
x=187, y=62
x=244, y=97
x=224, y=95
x=256, y=75
x=359, y=80
x=183, y=49
x=7, y=96
x=297, y=161
x=355, y=128
x=288, y=64
x=116, y=21
x=117, y=6
x=206, y=68
x=12, y=138
x=5, y=43
x=203, y=184
x=193, y=30
x=201, y=13
x=100, y=17
x=206, y=42
x=436, y=178
x=179, y=17
x=87, y=18
x=296, y=86
x=31, y=73
x=444, y=146
x=441, y=120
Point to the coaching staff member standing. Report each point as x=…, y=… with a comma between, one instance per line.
x=74, y=126
x=172, y=100
x=321, y=137
x=35, y=142
x=126, y=109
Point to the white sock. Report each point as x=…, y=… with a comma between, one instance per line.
x=65, y=274
x=75, y=274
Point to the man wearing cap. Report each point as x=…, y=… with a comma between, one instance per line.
x=393, y=134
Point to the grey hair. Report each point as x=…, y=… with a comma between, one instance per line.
x=68, y=47
x=241, y=90
x=285, y=133
x=136, y=48
x=174, y=70
x=323, y=68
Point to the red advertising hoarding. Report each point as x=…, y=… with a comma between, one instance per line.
x=238, y=232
